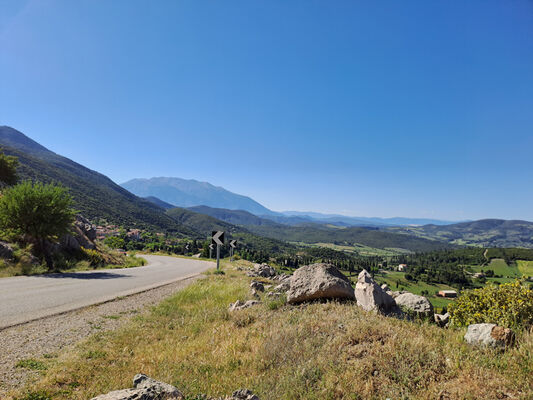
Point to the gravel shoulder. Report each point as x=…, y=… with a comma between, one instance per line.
x=45, y=337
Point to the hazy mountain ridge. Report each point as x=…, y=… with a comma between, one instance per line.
x=362, y=221
x=190, y=193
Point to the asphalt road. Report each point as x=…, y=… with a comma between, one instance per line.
x=26, y=298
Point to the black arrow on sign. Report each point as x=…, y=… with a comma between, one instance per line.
x=218, y=238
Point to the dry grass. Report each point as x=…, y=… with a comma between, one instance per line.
x=317, y=351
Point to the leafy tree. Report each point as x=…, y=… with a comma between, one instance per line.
x=37, y=213
x=8, y=169
x=115, y=242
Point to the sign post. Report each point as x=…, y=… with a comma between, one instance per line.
x=233, y=244
x=211, y=247
x=218, y=239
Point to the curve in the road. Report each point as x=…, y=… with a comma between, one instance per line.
x=24, y=299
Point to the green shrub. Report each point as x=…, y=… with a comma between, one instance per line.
x=509, y=305
x=37, y=213
x=40, y=395
x=95, y=257
x=30, y=363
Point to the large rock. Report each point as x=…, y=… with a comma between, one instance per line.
x=371, y=297
x=86, y=227
x=490, y=335
x=144, y=388
x=258, y=286
x=262, y=270
x=283, y=287
x=83, y=234
x=415, y=305
x=318, y=281
x=239, y=305
x=6, y=251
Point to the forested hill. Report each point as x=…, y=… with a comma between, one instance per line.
x=236, y=217
x=485, y=232
x=205, y=224
x=95, y=195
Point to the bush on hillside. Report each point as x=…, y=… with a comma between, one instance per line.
x=509, y=305
x=96, y=259
x=8, y=169
x=37, y=213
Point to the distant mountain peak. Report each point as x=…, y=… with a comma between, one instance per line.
x=191, y=192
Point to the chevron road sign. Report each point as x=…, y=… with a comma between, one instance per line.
x=233, y=244
x=218, y=238
x=211, y=246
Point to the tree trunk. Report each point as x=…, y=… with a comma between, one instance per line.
x=47, y=255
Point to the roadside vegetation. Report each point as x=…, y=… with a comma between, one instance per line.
x=326, y=350
x=34, y=219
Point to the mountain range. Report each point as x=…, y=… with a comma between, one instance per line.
x=99, y=198
x=192, y=193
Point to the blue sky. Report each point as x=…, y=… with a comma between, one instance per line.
x=389, y=108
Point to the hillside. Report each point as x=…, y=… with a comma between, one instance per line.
x=236, y=217
x=95, y=195
x=159, y=202
x=190, y=193
x=485, y=232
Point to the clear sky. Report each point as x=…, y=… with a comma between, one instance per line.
x=370, y=108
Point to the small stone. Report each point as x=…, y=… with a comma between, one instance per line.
x=490, y=335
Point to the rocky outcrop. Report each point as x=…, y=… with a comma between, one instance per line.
x=414, y=305
x=6, y=251
x=239, y=305
x=490, y=335
x=257, y=286
x=83, y=235
x=144, y=388
x=371, y=297
x=318, y=281
x=397, y=293
x=283, y=277
x=262, y=270
x=283, y=286
x=85, y=226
